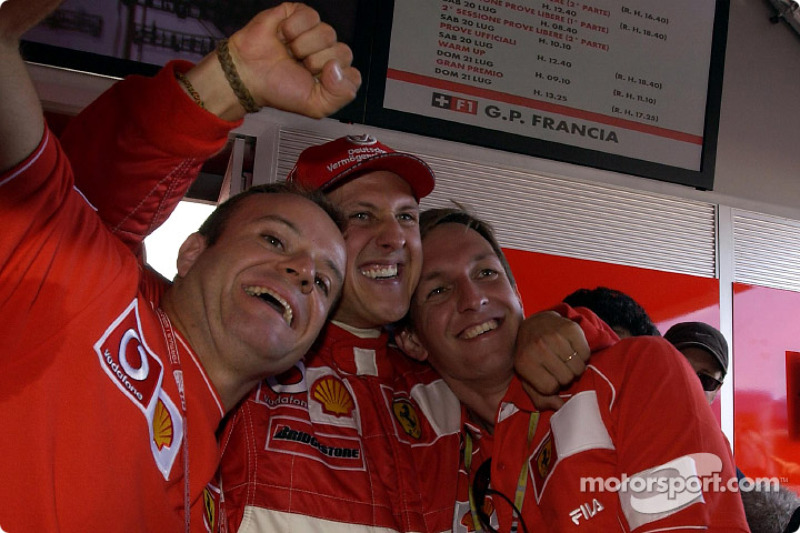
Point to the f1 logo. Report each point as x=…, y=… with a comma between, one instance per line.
x=454, y=103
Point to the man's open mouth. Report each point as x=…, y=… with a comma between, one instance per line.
x=274, y=300
x=380, y=272
x=480, y=329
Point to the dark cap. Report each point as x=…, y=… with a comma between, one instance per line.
x=703, y=336
x=324, y=166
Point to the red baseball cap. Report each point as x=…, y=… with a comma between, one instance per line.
x=325, y=166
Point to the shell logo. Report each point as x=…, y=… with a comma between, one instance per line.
x=333, y=395
x=162, y=426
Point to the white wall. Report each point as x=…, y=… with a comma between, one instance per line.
x=758, y=157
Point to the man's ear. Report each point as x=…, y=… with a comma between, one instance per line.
x=408, y=341
x=192, y=247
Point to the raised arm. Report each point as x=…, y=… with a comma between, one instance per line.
x=137, y=149
x=288, y=59
x=21, y=122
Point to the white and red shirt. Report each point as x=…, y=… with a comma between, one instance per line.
x=351, y=440
x=636, y=414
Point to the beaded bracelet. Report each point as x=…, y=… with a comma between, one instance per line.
x=241, y=92
x=186, y=83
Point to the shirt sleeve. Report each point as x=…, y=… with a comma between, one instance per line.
x=598, y=334
x=136, y=150
x=31, y=192
x=670, y=448
x=54, y=252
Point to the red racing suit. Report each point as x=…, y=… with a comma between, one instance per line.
x=637, y=413
x=138, y=147
x=95, y=432
x=357, y=438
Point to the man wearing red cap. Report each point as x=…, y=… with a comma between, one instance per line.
x=348, y=440
x=339, y=440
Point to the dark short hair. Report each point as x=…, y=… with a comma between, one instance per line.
x=615, y=308
x=216, y=222
x=432, y=218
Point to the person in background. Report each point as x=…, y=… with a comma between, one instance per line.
x=624, y=314
x=522, y=468
x=112, y=381
x=706, y=349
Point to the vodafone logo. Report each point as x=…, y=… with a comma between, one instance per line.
x=128, y=360
x=293, y=381
x=137, y=371
x=678, y=483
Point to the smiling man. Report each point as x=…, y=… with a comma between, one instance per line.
x=255, y=285
x=636, y=413
x=355, y=437
x=103, y=359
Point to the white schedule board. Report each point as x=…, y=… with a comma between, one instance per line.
x=623, y=85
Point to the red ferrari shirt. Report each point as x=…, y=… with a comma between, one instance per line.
x=357, y=438
x=96, y=435
x=636, y=414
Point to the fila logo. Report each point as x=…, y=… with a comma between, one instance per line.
x=586, y=511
